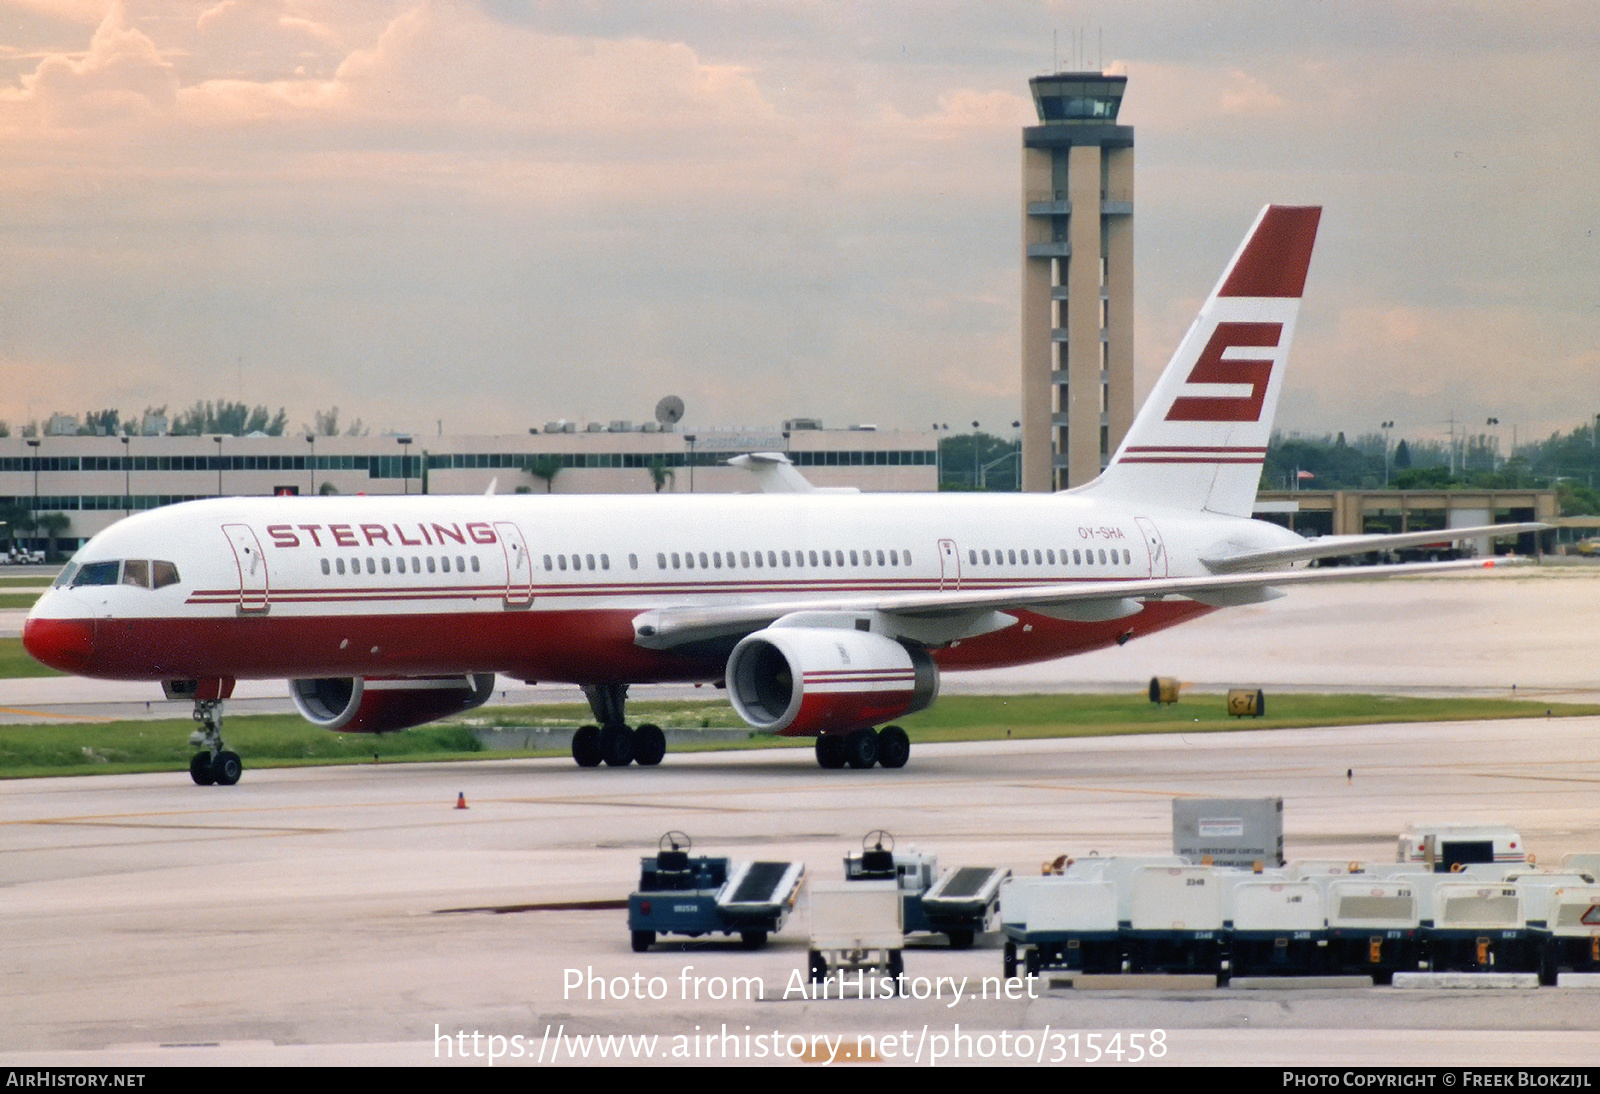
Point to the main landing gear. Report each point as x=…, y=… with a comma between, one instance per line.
x=214, y=764
x=889, y=747
x=613, y=742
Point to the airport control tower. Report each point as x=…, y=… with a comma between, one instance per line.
x=1077, y=279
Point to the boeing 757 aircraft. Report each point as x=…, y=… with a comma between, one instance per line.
x=824, y=614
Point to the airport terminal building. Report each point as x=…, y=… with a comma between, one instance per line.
x=96, y=481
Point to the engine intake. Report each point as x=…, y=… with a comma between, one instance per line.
x=805, y=681
x=384, y=704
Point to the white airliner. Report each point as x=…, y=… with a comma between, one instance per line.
x=825, y=614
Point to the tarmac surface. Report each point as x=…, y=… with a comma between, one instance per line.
x=353, y=915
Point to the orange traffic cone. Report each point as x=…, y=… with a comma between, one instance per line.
x=461, y=800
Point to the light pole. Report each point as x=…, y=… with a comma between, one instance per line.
x=311, y=439
x=33, y=443
x=405, y=463
x=690, y=438
x=974, y=455
x=127, y=477
x=1386, y=427
x=218, y=439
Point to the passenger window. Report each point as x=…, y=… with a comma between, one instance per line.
x=461, y=564
x=675, y=560
x=474, y=563
x=325, y=567
x=562, y=559
x=372, y=567
x=605, y=562
x=880, y=558
x=432, y=565
x=385, y=563
x=549, y=563
x=703, y=565
x=338, y=565
x=661, y=560
x=907, y=556
x=688, y=560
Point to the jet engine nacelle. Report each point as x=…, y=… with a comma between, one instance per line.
x=381, y=705
x=805, y=681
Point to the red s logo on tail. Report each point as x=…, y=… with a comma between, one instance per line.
x=1254, y=370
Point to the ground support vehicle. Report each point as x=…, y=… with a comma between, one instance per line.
x=1176, y=923
x=1375, y=927
x=1060, y=923
x=1569, y=941
x=1278, y=927
x=700, y=895
x=960, y=903
x=1447, y=847
x=857, y=926
x=1479, y=927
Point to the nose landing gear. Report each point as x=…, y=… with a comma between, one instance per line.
x=214, y=765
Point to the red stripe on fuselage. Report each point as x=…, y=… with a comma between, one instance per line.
x=576, y=646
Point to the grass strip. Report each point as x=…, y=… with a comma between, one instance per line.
x=284, y=740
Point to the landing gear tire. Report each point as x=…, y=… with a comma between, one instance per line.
x=226, y=768
x=861, y=748
x=1008, y=960
x=830, y=751
x=897, y=971
x=586, y=747
x=894, y=747
x=200, y=769
x=616, y=745
x=960, y=938
x=643, y=940
x=753, y=940
x=649, y=745
x=818, y=966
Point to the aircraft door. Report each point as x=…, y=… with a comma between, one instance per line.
x=252, y=563
x=1153, y=544
x=949, y=565
x=519, y=567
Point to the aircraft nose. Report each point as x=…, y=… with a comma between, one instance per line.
x=64, y=644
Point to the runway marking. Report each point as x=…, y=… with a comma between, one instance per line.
x=82, y=822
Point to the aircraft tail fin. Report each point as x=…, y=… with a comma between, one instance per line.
x=1199, y=440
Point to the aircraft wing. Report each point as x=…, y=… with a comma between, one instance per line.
x=947, y=615
x=1340, y=546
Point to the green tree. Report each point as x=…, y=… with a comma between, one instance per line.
x=53, y=525
x=545, y=467
x=660, y=473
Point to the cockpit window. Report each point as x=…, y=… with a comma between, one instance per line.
x=138, y=572
x=97, y=573
x=64, y=578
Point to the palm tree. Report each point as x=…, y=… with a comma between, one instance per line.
x=660, y=473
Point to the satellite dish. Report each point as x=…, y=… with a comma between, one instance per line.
x=669, y=411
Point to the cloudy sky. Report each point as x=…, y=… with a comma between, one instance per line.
x=498, y=213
